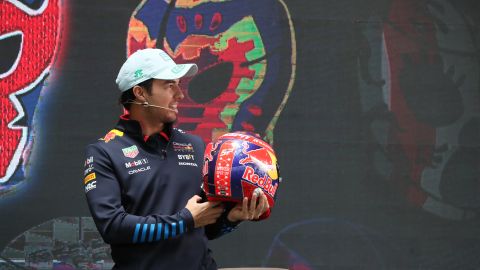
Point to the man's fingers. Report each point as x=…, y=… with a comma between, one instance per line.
x=213, y=204
x=210, y=214
x=196, y=198
x=259, y=211
x=214, y=209
x=208, y=221
x=245, y=208
x=217, y=211
x=253, y=206
x=245, y=204
x=266, y=205
x=262, y=205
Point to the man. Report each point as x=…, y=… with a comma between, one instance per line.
x=143, y=179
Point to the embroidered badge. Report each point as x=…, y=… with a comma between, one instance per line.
x=183, y=147
x=130, y=152
x=112, y=134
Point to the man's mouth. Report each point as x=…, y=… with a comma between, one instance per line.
x=173, y=107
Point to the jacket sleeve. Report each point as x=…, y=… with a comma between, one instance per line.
x=103, y=193
x=222, y=226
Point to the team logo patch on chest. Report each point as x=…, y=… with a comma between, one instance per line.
x=183, y=147
x=130, y=152
x=136, y=166
x=187, y=160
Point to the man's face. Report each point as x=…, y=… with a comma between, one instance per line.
x=165, y=93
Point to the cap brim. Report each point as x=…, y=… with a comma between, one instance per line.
x=177, y=72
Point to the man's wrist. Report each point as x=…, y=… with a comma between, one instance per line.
x=187, y=216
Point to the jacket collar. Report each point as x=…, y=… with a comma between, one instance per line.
x=134, y=129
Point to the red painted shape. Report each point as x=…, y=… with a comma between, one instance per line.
x=137, y=45
x=181, y=24
x=255, y=110
x=234, y=53
x=198, y=21
x=248, y=127
x=410, y=145
x=40, y=41
x=216, y=21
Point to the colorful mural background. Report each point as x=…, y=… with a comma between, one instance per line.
x=373, y=108
x=246, y=59
x=30, y=38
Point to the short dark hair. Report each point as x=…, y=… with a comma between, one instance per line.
x=127, y=96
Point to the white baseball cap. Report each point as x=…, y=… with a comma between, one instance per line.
x=151, y=64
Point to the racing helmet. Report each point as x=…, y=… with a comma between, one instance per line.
x=236, y=164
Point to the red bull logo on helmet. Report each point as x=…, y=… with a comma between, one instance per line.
x=263, y=158
x=265, y=182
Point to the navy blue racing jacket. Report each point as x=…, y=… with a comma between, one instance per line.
x=137, y=188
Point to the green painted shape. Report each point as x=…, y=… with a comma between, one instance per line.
x=244, y=30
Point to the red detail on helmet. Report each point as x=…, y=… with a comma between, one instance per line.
x=248, y=189
x=259, y=155
x=223, y=170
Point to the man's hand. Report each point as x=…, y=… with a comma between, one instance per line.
x=203, y=213
x=244, y=211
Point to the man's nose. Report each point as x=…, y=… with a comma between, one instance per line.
x=179, y=93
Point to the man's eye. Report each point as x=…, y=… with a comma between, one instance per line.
x=173, y=85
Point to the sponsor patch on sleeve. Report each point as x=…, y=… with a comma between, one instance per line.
x=89, y=178
x=90, y=186
x=88, y=169
x=88, y=161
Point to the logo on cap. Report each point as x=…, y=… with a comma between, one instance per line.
x=178, y=68
x=138, y=73
x=165, y=56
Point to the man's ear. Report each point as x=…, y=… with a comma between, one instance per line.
x=139, y=93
